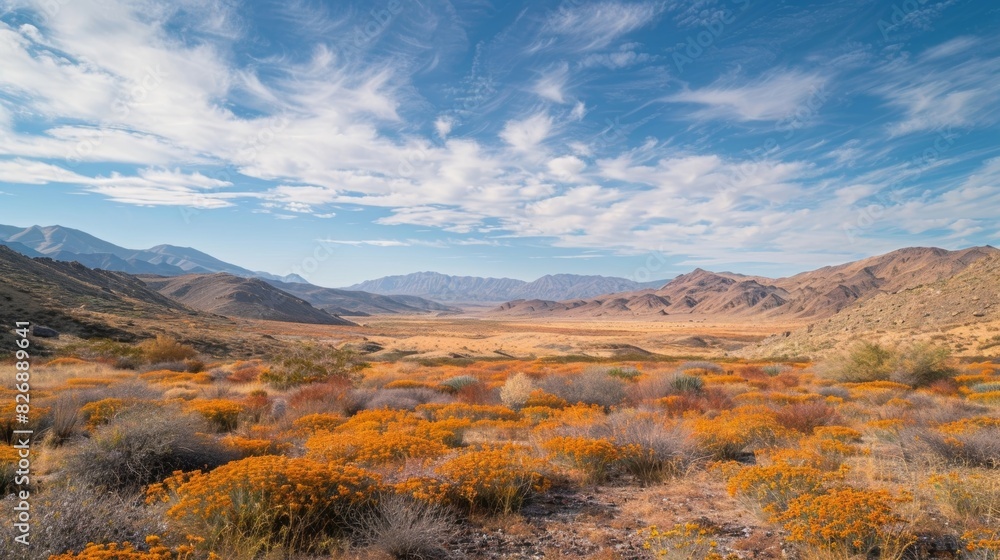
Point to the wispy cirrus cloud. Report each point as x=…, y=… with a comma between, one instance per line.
x=595, y=26
x=770, y=97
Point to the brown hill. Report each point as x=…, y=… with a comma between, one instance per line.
x=234, y=296
x=74, y=299
x=962, y=311
x=810, y=295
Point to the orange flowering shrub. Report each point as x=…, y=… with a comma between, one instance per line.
x=101, y=412
x=380, y=420
x=126, y=551
x=248, y=447
x=247, y=371
x=577, y=415
x=539, y=398
x=167, y=376
x=495, y=479
x=221, y=413
x=426, y=489
x=982, y=544
x=772, y=487
x=318, y=421
x=371, y=448
x=683, y=541
x=732, y=431
x=408, y=384
x=262, y=502
x=89, y=382
x=594, y=457
x=838, y=433
x=472, y=412
x=846, y=519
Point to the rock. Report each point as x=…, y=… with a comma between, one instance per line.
x=979, y=314
x=44, y=332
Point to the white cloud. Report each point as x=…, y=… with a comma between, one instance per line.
x=552, y=83
x=771, y=97
x=30, y=172
x=443, y=126
x=525, y=135
x=567, y=168
x=595, y=26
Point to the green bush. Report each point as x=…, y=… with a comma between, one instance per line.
x=865, y=361
x=922, y=364
x=313, y=364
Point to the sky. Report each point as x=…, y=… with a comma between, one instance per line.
x=345, y=141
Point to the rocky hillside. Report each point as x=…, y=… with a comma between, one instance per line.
x=810, y=295
x=74, y=299
x=233, y=296
x=962, y=310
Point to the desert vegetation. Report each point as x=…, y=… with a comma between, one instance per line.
x=154, y=451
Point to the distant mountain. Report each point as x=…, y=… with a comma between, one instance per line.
x=234, y=296
x=815, y=294
x=360, y=303
x=68, y=244
x=474, y=289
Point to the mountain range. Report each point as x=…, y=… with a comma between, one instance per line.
x=200, y=271
x=814, y=294
x=475, y=289
x=68, y=244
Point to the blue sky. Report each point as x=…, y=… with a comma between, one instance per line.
x=346, y=141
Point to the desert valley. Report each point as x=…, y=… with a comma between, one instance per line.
x=846, y=411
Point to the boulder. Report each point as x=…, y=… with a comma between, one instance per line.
x=44, y=332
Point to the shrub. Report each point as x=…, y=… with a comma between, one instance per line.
x=978, y=448
x=626, y=373
x=459, y=382
x=843, y=519
x=971, y=495
x=141, y=447
x=683, y=383
x=742, y=429
x=659, y=450
x=495, y=479
x=98, y=413
x=259, y=504
x=69, y=517
x=370, y=448
x=593, y=457
x=126, y=551
x=222, y=414
x=516, y=390
x=806, y=416
x=166, y=349
x=865, y=361
x=593, y=386
x=683, y=541
x=407, y=528
x=312, y=364
x=772, y=487
x=922, y=364
x=404, y=399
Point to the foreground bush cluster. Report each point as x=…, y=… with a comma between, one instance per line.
x=315, y=453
